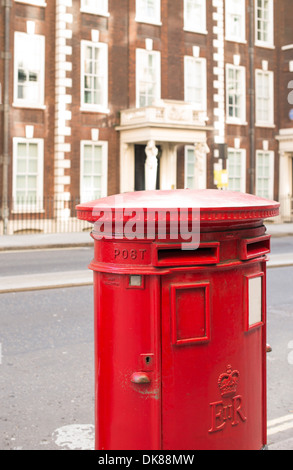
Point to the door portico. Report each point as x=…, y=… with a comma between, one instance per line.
x=167, y=125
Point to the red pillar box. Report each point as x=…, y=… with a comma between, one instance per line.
x=180, y=319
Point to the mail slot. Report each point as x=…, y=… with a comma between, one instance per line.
x=180, y=324
x=173, y=255
x=250, y=248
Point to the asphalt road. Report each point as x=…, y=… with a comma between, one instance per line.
x=280, y=360
x=47, y=372
x=44, y=261
x=47, y=351
x=281, y=245
x=76, y=259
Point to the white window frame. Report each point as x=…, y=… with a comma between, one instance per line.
x=202, y=106
x=187, y=149
x=242, y=86
x=140, y=74
x=22, y=102
x=29, y=208
x=189, y=24
x=199, y=173
x=141, y=15
x=259, y=74
x=271, y=155
x=101, y=8
x=39, y=3
x=102, y=107
x=242, y=177
x=270, y=42
x=84, y=195
x=228, y=14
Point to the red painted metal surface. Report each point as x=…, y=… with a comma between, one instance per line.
x=195, y=412
x=215, y=206
x=180, y=341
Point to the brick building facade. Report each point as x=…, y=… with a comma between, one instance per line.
x=87, y=85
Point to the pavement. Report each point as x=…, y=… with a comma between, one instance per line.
x=84, y=278
x=45, y=241
x=42, y=281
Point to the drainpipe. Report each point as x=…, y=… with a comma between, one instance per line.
x=251, y=98
x=5, y=158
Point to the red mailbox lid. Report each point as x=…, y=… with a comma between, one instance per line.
x=215, y=206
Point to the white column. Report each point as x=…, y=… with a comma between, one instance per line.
x=127, y=170
x=151, y=166
x=201, y=150
x=168, y=167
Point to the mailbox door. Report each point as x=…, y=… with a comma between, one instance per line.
x=213, y=359
x=128, y=408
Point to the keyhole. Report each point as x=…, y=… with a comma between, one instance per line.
x=147, y=359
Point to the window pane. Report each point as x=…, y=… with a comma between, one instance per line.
x=20, y=182
x=32, y=182
x=92, y=169
x=95, y=80
x=87, y=155
x=235, y=19
x=97, y=182
x=33, y=166
x=147, y=69
x=235, y=170
x=87, y=167
x=190, y=182
x=264, y=97
x=194, y=82
x=190, y=168
x=98, y=167
x=20, y=197
x=87, y=182
x=264, y=20
x=264, y=176
x=21, y=150
x=98, y=152
x=33, y=150
x=28, y=180
x=95, y=6
x=21, y=166
x=148, y=10
x=194, y=15
x=29, y=65
x=235, y=93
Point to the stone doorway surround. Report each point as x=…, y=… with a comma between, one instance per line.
x=169, y=124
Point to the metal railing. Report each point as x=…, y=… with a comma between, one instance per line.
x=54, y=215
x=48, y=215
